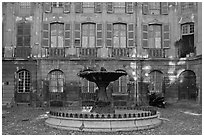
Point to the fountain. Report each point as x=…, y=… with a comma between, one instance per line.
x=104, y=117
x=102, y=79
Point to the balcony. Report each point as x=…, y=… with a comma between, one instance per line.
x=22, y=52
x=56, y=52
x=155, y=53
x=120, y=52
x=88, y=52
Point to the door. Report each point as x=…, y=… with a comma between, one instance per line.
x=56, y=88
x=187, y=86
x=23, y=83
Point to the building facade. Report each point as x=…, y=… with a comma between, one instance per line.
x=45, y=45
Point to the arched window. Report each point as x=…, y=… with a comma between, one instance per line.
x=156, y=81
x=23, y=81
x=56, y=81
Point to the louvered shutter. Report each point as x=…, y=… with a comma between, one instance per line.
x=109, y=34
x=145, y=8
x=166, y=35
x=164, y=8
x=99, y=35
x=45, y=35
x=130, y=35
x=67, y=7
x=129, y=7
x=67, y=35
x=77, y=34
x=145, y=36
x=78, y=7
x=47, y=7
x=109, y=7
x=97, y=7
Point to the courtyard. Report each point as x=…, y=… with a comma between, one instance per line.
x=181, y=118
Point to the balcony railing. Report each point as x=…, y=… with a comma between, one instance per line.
x=155, y=53
x=22, y=52
x=120, y=52
x=88, y=52
x=56, y=52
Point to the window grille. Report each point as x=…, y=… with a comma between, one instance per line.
x=24, y=81
x=187, y=29
x=56, y=81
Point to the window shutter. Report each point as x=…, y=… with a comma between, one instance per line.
x=48, y=7
x=67, y=7
x=129, y=7
x=166, y=35
x=131, y=35
x=45, y=37
x=109, y=34
x=67, y=35
x=145, y=36
x=164, y=8
x=109, y=7
x=145, y=8
x=77, y=34
x=97, y=7
x=99, y=35
x=78, y=7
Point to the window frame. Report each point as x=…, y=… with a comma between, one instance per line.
x=89, y=35
x=187, y=27
x=57, y=34
x=59, y=75
x=23, y=36
x=26, y=84
x=119, y=33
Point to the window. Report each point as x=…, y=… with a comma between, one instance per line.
x=88, y=7
x=119, y=35
x=56, y=81
x=23, y=49
x=120, y=85
x=23, y=34
x=154, y=8
x=156, y=81
x=88, y=35
x=186, y=6
x=155, y=36
x=119, y=7
x=25, y=5
x=23, y=81
x=88, y=87
x=57, y=4
x=187, y=29
x=57, y=35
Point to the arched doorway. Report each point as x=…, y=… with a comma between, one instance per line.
x=56, y=87
x=23, y=84
x=156, y=81
x=187, y=85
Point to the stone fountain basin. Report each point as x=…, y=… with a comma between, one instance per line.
x=122, y=120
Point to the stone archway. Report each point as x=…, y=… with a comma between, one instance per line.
x=187, y=85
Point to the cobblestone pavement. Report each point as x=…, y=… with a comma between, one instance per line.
x=178, y=119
